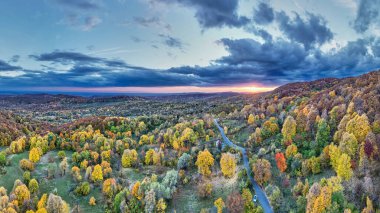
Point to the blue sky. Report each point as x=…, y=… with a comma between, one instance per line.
x=184, y=43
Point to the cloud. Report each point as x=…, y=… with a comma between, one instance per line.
x=214, y=13
x=312, y=31
x=79, y=4
x=271, y=62
x=15, y=58
x=65, y=57
x=91, y=22
x=78, y=21
x=151, y=22
x=264, y=14
x=4, y=66
x=289, y=61
x=172, y=42
x=265, y=35
x=368, y=13
x=268, y=59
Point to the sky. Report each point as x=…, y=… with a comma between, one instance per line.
x=155, y=46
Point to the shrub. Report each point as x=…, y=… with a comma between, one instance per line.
x=33, y=186
x=3, y=159
x=83, y=189
x=92, y=201
x=205, y=190
x=26, y=176
x=183, y=161
x=61, y=155
x=26, y=165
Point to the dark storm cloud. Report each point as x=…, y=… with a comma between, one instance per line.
x=368, y=13
x=289, y=61
x=312, y=31
x=214, y=13
x=265, y=35
x=65, y=57
x=271, y=62
x=4, y=66
x=79, y=4
x=264, y=14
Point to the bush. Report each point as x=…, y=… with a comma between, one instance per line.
x=26, y=177
x=183, y=161
x=92, y=201
x=205, y=190
x=61, y=154
x=83, y=189
x=3, y=159
x=33, y=186
x=26, y=165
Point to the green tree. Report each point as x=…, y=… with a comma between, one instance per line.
x=323, y=134
x=33, y=186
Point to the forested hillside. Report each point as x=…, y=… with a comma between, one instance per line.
x=311, y=146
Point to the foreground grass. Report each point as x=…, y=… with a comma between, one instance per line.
x=13, y=171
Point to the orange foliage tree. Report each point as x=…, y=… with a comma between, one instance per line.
x=281, y=161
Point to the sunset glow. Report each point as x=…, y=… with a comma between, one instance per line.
x=178, y=89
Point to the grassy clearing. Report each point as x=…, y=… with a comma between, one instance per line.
x=187, y=200
x=13, y=171
x=64, y=185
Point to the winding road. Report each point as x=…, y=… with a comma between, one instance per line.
x=261, y=196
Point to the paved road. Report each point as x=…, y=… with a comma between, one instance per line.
x=261, y=196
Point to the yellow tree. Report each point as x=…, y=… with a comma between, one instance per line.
x=92, y=201
x=136, y=190
x=334, y=153
x=291, y=150
x=97, y=174
x=156, y=158
x=323, y=200
x=247, y=196
x=359, y=126
x=251, y=119
x=109, y=187
x=343, y=169
x=289, y=130
x=42, y=202
x=219, y=204
x=369, y=208
x=22, y=193
x=349, y=144
x=43, y=210
x=228, y=164
x=144, y=139
x=129, y=158
x=161, y=206
x=149, y=156
x=204, y=161
x=34, y=155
